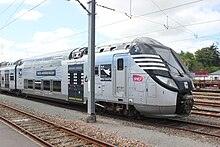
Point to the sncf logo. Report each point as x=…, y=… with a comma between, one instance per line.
x=137, y=78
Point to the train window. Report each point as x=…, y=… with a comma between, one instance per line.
x=3, y=80
x=25, y=83
x=142, y=49
x=46, y=85
x=120, y=64
x=57, y=86
x=127, y=46
x=37, y=84
x=135, y=50
x=30, y=84
x=96, y=70
x=11, y=78
x=101, y=50
x=112, y=48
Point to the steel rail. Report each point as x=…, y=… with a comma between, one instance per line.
x=29, y=134
x=199, y=130
x=77, y=134
x=207, y=97
x=208, y=113
x=203, y=103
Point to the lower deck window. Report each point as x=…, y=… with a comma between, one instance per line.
x=3, y=80
x=11, y=78
x=30, y=84
x=25, y=83
x=46, y=85
x=37, y=85
x=57, y=86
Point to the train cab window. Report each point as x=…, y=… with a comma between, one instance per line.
x=46, y=85
x=57, y=86
x=30, y=84
x=135, y=50
x=37, y=84
x=96, y=70
x=120, y=64
x=142, y=49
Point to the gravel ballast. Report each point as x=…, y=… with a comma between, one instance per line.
x=145, y=134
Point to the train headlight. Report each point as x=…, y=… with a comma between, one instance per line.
x=167, y=81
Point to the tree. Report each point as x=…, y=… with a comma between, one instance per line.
x=205, y=59
x=208, y=56
x=189, y=60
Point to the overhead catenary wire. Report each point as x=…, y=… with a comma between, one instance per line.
x=199, y=37
x=169, y=8
x=176, y=28
x=22, y=14
x=141, y=16
x=134, y=17
x=166, y=26
x=168, y=17
x=81, y=4
x=8, y=7
x=161, y=30
x=14, y=12
x=150, y=13
x=112, y=9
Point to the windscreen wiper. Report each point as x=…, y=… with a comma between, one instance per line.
x=174, y=68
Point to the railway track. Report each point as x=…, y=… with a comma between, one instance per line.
x=210, y=104
x=44, y=132
x=195, y=127
x=207, y=104
x=203, y=112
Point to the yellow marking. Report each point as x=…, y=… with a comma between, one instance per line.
x=75, y=99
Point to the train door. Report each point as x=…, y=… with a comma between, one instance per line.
x=6, y=78
x=19, y=83
x=120, y=76
x=76, y=82
x=151, y=93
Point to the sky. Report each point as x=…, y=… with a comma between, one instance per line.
x=30, y=28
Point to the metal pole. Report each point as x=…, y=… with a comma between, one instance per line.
x=91, y=61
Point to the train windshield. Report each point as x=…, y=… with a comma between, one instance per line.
x=172, y=60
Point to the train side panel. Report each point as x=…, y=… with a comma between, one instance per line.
x=44, y=79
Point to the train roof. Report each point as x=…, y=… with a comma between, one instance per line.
x=79, y=52
x=123, y=45
x=61, y=55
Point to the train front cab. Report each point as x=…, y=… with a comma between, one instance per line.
x=168, y=79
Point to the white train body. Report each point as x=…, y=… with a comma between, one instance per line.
x=142, y=76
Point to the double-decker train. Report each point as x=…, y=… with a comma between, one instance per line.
x=138, y=77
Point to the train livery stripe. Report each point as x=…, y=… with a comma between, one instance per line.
x=146, y=55
x=149, y=62
x=154, y=68
x=149, y=59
